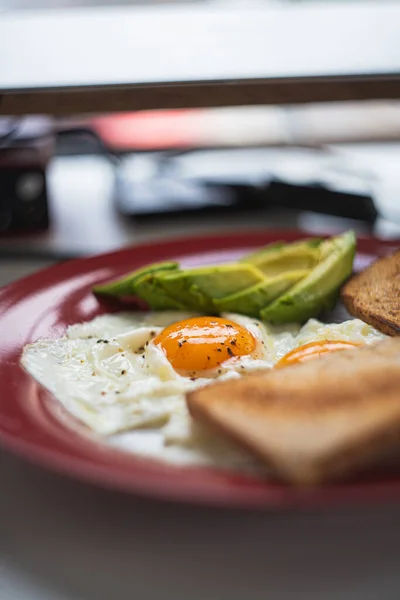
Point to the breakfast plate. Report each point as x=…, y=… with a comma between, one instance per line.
x=35, y=427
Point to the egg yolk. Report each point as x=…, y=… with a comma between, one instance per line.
x=203, y=343
x=313, y=350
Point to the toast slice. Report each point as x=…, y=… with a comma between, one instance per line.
x=313, y=422
x=374, y=294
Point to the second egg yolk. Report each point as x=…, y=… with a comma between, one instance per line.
x=203, y=343
x=313, y=350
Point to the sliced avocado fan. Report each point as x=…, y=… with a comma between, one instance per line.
x=319, y=289
x=279, y=283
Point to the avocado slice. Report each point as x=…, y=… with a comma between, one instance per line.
x=198, y=288
x=253, y=299
x=149, y=289
x=276, y=258
x=318, y=291
x=124, y=285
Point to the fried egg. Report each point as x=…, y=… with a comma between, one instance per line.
x=125, y=376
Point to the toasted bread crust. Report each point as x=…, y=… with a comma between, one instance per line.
x=317, y=421
x=374, y=295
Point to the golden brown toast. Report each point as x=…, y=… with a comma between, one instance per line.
x=374, y=294
x=313, y=422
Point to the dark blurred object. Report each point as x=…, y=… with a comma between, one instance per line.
x=323, y=198
x=228, y=180
x=26, y=146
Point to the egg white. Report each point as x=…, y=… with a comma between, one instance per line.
x=288, y=338
x=109, y=375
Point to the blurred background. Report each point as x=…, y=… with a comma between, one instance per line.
x=79, y=184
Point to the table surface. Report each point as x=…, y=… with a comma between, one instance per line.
x=121, y=58
x=64, y=540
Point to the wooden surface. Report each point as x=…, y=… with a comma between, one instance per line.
x=107, y=59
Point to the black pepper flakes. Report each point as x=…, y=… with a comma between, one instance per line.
x=193, y=379
x=229, y=325
x=208, y=358
x=230, y=352
x=123, y=371
x=219, y=350
x=233, y=343
x=180, y=344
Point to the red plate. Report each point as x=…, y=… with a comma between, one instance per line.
x=43, y=304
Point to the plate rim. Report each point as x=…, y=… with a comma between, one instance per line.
x=237, y=490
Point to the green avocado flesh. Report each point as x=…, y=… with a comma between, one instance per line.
x=124, y=285
x=148, y=288
x=318, y=291
x=280, y=283
x=253, y=299
x=199, y=288
x=275, y=259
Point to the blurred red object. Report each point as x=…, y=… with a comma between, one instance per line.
x=148, y=130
